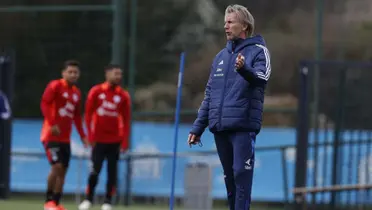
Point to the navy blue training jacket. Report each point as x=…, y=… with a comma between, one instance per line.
x=234, y=97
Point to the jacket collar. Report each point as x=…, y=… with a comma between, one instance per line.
x=108, y=86
x=238, y=44
x=66, y=85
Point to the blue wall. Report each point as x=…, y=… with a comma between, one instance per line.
x=151, y=176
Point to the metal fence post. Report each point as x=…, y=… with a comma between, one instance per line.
x=118, y=32
x=7, y=70
x=336, y=169
x=315, y=87
x=302, y=137
x=285, y=177
x=131, y=87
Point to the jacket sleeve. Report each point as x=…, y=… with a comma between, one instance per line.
x=78, y=120
x=90, y=106
x=258, y=69
x=125, y=117
x=201, y=121
x=47, y=101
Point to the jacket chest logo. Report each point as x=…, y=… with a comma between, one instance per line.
x=108, y=107
x=102, y=96
x=218, y=72
x=115, y=99
x=218, y=75
x=67, y=110
x=75, y=96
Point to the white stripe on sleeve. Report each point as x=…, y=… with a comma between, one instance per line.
x=265, y=75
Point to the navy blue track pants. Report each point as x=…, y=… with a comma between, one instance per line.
x=236, y=153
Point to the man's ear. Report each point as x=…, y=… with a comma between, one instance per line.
x=245, y=27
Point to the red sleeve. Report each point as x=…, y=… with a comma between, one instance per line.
x=78, y=120
x=90, y=106
x=47, y=102
x=126, y=117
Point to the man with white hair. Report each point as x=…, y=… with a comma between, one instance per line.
x=233, y=104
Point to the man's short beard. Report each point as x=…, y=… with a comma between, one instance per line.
x=113, y=82
x=71, y=82
x=233, y=38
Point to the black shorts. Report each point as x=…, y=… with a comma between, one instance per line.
x=58, y=152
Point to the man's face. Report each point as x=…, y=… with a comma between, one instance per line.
x=233, y=28
x=114, y=76
x=71, y=74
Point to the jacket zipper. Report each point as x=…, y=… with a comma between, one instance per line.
x=223, y=92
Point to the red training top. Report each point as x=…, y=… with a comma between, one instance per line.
x=107, y=114
x=60, y=105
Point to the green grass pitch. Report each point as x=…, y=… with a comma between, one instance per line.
x=19, y=204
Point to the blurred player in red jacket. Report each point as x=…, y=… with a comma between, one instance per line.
x=107, y=116
x=60, y=106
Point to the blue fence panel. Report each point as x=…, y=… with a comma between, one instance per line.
x=151, y=176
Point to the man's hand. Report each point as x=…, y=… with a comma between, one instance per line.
x=92, y=143
x=193, y=140
x=55, y=130
x=85, y=142
x=124, y=146
x=240, y=60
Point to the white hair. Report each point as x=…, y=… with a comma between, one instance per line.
x=243, y=15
